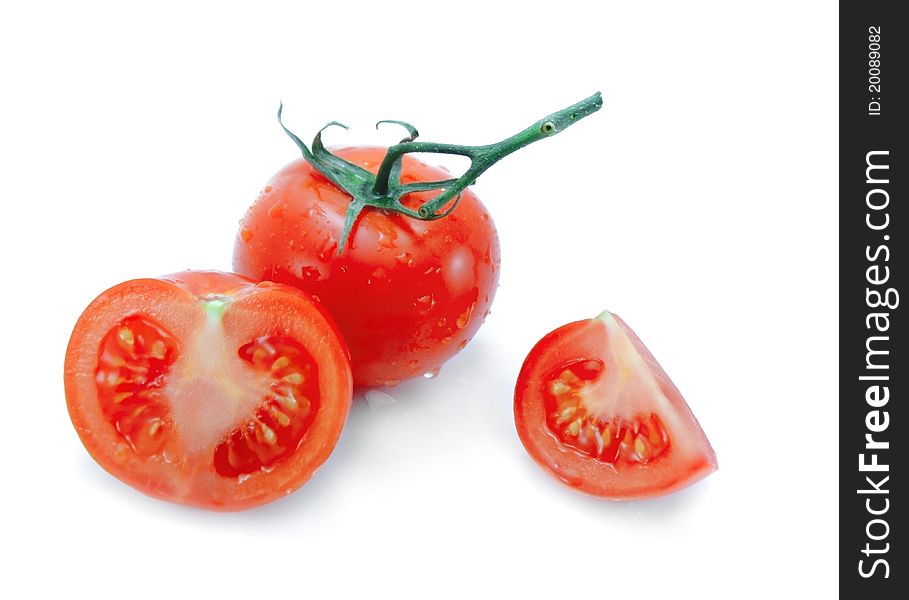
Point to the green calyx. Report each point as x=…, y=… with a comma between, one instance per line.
x=384, y=190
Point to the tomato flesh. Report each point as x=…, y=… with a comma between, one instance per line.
x=133, y=360
x=284, y=415
x=206, y=388
x=603, y=437
x=595, y=408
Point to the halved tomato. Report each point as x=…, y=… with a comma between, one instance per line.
x=205, y=388
x=594, y=407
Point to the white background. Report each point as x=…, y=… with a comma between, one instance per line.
x=699, y=204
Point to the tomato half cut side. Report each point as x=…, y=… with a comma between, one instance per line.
x=594, y=407
x=207, y=389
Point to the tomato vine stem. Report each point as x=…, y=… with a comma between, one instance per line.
x=384, y=190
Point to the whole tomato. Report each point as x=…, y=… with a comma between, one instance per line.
x=374, y=234
x=407, y=294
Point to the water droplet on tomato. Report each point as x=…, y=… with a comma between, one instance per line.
x=329, y=248
x=425, y=304
x=276, y=211
x=431, y=374
x=462, y=345
x=405, y=259
x=267, y=189
x=245, y=234
x=464, y=317
x=310, y=273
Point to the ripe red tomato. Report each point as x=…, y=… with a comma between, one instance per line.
x=206, y=389
x=407, y=294
x=593, y=406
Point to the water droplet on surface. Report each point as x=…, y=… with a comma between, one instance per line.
x=464, y=317
x=310, y=273
x=377, y=399
x=405, y=259
x=328, y=249
x=425, y=303
x=431, y=374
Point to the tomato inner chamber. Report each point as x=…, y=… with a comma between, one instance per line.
x=282, y=418
x=133, y=360
x=607, y=438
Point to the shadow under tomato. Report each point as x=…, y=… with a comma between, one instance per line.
x=655, y=510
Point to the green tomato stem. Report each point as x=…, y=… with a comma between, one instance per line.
x=384, y=189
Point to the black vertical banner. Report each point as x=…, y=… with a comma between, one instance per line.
x=874, y=365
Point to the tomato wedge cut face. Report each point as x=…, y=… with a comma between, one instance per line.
x=594, y=407
x=205, y=388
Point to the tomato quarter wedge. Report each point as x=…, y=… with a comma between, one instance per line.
x=594, y=407
x=207, y=389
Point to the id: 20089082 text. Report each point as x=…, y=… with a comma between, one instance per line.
x=874, y=70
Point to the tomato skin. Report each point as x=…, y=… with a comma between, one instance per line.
x=690, y=456
x=406, y=294
x=177, y=301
